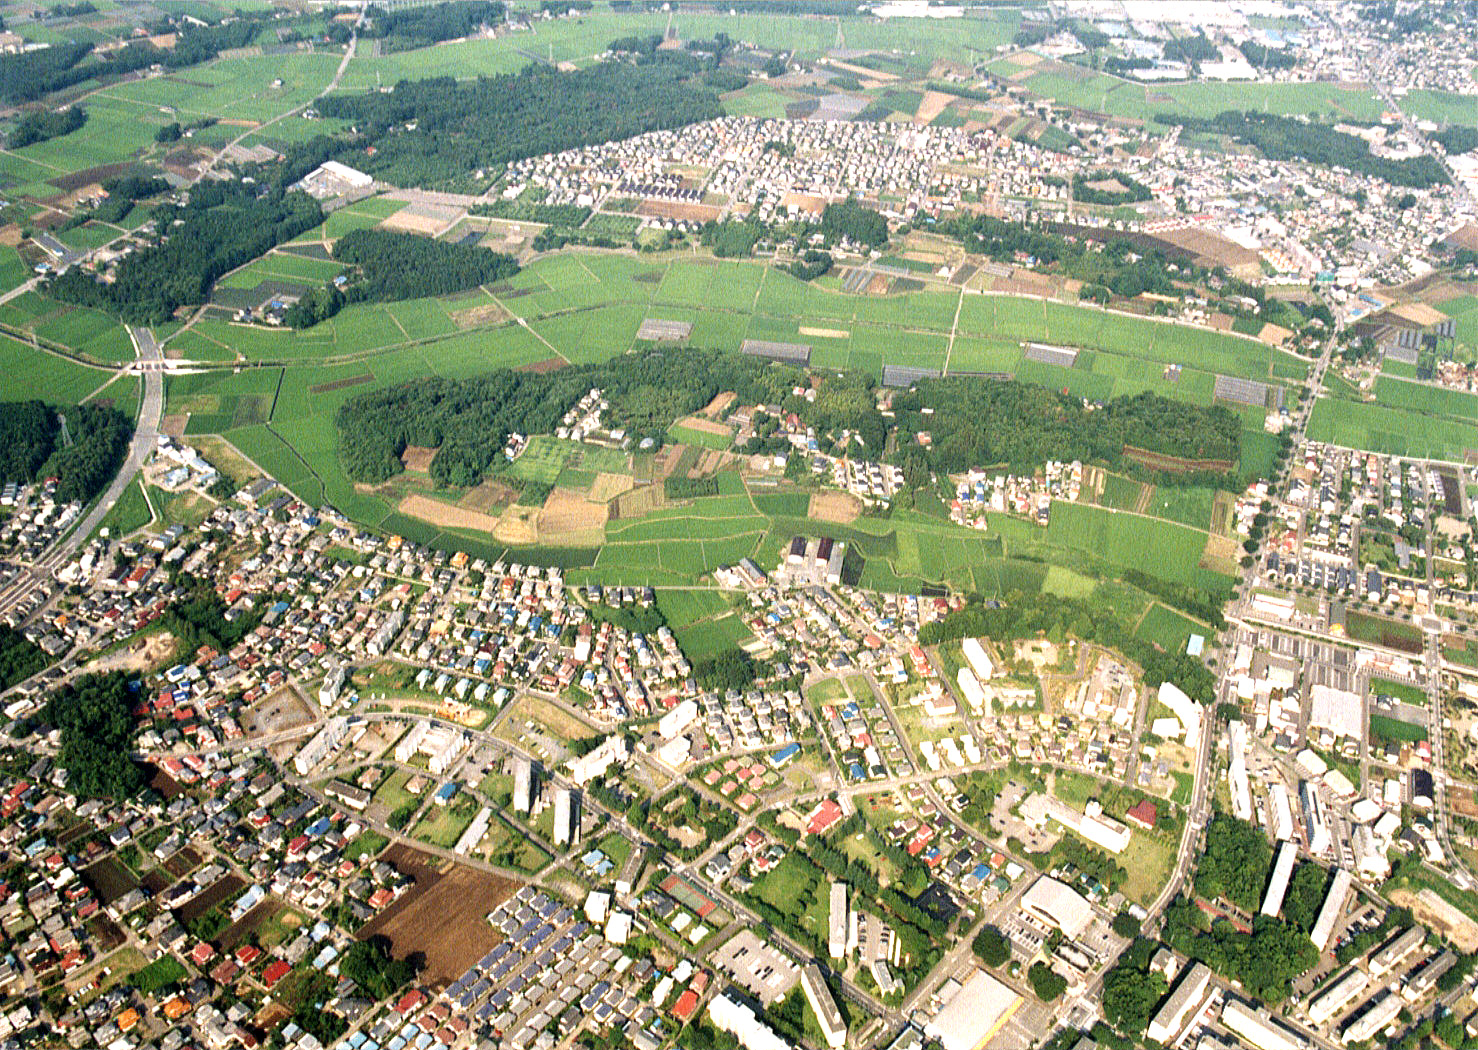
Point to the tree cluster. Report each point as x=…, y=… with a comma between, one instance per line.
x=28, y=434
x=31, y=449
x=469, y=420
x=849, y=219
x=567, y=215
x=407, y=28
x=45, y=124
x=991, y=947
x=1133, y=190
x=1266, y=961
x=29, y=75
x=1264, y=57
x=201, y=43
x=94, y=715
x=1457, y=138
x=811, y=264
x=224, y=225
x=1192, y=50
x=369, y=964
x=313, y=306
x=198, y=619
x=1235, y=863
x=1047, y=984
x=728, y=669
x=433, y=131
x=1289, y=138
x=20, y=658
x=1131, y=991
x=677, y=488
x=392, y=266
x=976, y=421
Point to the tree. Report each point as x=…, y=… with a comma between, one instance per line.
x=1125, y=925
x=168, y=133
x=95, y=718
x=1047, y=983
x=991, y=947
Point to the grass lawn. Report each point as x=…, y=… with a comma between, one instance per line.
x=1148, y=858
x=130, y=513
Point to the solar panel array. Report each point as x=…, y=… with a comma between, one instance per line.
x=790, y=353
x=1242, y=391
x=1051, y=355
x=656, y=330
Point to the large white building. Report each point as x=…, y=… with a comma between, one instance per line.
x=836, y=922
x=1272, y=900
x=566, y=817
x=1092, y=824
x=1058, y=906
x=1329, y=913
x=740, y=1021
x=978, y=659
x=1188, y=994
x=321, y=745
x=1185, y=710
x=974, y=1013
x=612, y=751
x=1259, y=1029
x=1241, y=790
x=823, y=1006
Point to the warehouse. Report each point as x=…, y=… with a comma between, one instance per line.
x=974, y=1014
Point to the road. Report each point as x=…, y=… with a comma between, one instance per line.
x=149, y=361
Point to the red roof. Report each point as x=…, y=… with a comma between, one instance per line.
x=1143, y=813
x=686, y=1005
x=275, y=971
x=824, y=817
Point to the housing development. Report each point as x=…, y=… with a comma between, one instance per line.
x=911, y=524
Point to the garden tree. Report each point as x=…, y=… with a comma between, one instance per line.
x=1235, y=862
x=1047, y=983
x=434, y=131
x=20, y=658
x=369, y=964
x=811, y=264
x=1305, y=896
x=1125, y=925
x=392, y=266
x=729, y=669
x=170, y=132
x=198, y=618
x=1131, y=991
x=317, y=305
x=94, y=715
x=45, y=124
x=991, y=947
x=221, y=227
x=859, y=223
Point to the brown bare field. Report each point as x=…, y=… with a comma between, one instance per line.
x=443, y=916
x=1222, y=554
x=1175, y=464
x=479, y=316
x=174, y=425
x=141, y=655
x=931, y=105
x=487, y=496
x=1215, y=249
x=225, y=457
x=719, y=404
x=608, y=486
x=549, y=364
x=1222, y=507
x=1432, y=910
x=704, y=425
x=517, y=525
x=532, y=709
x=91, y=176
x=862, y=71
x=1274, y=335
x=341, y=384
x=675, y=210
x=825, y=333
x=879, y=284
x=446, y=515
x=429, y=219
x=570, y=518
x=212, y=895
x=417, y=458
x=839, y=507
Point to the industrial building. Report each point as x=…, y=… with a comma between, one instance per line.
x=1058, y=906
x=974, y=1013
x=1183, y=1001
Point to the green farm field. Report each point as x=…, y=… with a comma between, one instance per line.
x=1381, y=428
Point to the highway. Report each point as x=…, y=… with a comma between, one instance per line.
x=149, y=363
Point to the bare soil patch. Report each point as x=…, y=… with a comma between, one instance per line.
x=417, y=458
x=141, y=655
x=518, y=525
x=208, y=898
x=675, y=210
x=446, y=515
x=424, y=218
x=340, y=384
x=704, y=425
x=825, y=333
x=479, y=316
x=570, y=518
x=109, y=878
x=488, y=496
x=719, y=405
x=931, y=105
x=92, y=176
x=1432, y=910
x=1222, y=554
x=549, y=364
x=443, y=916
x=839, y=507
x=637, y=503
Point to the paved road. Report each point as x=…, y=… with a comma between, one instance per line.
x=145, y=436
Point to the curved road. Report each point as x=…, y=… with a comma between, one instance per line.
x=150, y=363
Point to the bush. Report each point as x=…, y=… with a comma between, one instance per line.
x=991, y=947
x=1047, y=983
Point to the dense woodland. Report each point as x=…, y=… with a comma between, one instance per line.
x=1086, y=193
x=31, y=446
x=1289, y=138
x=94, y=715
x=469, y=420
x=30, y=75
x=224, y=225
x=849, y=219
x=394, y=266
x=463, y=126
x=977, y=421
x=45, y=124
x=405, y=29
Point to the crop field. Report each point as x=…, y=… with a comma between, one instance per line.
x=1167, y=628
x=1383, y=429
x=1465, y=310
x=26, y=372
x=1160, y=548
